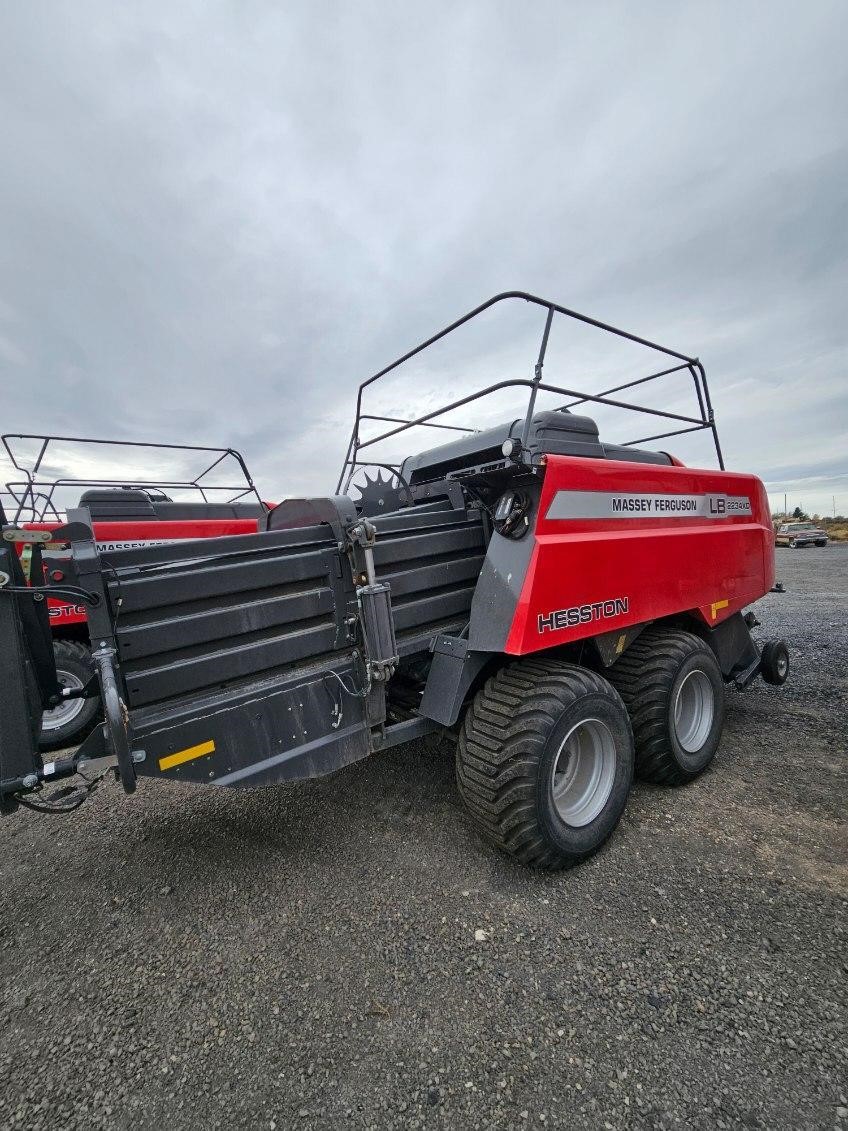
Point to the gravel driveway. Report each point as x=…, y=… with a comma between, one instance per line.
x=306, y=956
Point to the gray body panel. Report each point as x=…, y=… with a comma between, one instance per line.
x=501, y=582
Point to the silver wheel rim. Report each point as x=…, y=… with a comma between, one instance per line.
x=583, y=773
x=694, y=711
x=782, y=666
x=68, y=710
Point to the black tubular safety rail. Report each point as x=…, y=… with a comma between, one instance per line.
x=34, y=497
x=691, y=365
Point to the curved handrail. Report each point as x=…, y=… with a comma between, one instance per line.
x=30, y=469
x=690, y=364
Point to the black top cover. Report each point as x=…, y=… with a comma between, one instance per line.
x=551, y=433
x=134, y=504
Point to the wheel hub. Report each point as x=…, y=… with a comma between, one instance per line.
x=68, y=709
x=583, y=773
x=694, y=711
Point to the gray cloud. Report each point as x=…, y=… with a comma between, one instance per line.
x=217, y=218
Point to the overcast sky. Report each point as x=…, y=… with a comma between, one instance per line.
x=218, y=217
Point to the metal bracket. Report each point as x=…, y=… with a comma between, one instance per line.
x=115, y=716
x=16, y=534
x=741, y=681
x=363, y=535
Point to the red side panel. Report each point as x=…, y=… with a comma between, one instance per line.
x=618, y=544
x=135, y=535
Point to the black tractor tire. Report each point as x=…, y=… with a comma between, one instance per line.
x=510, y=762
x=72, y=720
x=677, y=715
x=774, y=662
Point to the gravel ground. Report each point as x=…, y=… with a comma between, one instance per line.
x=307, y=957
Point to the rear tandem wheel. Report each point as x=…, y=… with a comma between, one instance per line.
x=545, y=761
x=672, y=687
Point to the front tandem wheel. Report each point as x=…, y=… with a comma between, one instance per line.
x=545, y=761
x=671, y=684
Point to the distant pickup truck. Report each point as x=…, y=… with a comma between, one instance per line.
x=800, y=534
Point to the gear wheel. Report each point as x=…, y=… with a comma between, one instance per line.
x=378, y=496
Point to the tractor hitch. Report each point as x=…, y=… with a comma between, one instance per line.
x=23, y=789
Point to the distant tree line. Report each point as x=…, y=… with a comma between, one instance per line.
x=801, y=516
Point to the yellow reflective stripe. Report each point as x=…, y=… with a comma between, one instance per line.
x=716, y=605
x=187, y=755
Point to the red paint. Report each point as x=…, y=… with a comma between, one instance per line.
x=661, y=565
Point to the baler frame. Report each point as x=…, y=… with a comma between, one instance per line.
x=704, y=421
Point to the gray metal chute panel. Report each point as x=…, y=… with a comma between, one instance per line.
x=235, y=656
x=193, y=616
x=431, y=557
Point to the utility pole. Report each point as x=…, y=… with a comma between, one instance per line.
x=785, y=511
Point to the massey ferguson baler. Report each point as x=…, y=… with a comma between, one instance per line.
x=573, y=609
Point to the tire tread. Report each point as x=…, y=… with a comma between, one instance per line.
x=500, y=745
x=643, y=678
